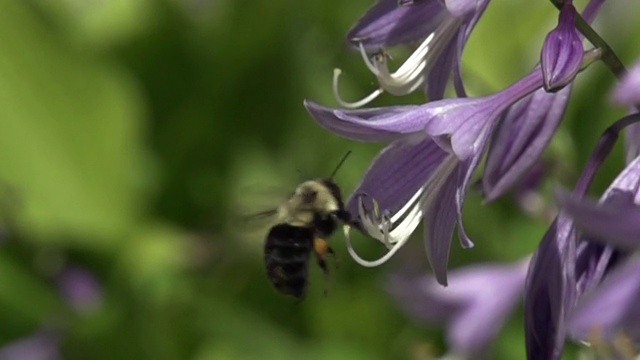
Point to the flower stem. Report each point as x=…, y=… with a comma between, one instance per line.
x=602, y=151
x=609, y=57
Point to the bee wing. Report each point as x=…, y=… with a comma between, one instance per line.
x=261, y=218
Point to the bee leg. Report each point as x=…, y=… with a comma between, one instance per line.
x=322, y=249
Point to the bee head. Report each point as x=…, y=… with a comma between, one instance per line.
x=317, y=195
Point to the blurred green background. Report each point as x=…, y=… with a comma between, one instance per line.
x=135, y=134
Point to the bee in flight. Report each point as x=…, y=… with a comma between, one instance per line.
x=304, y=222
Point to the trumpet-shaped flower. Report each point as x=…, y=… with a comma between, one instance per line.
x=42, y=345
x=80, y=288
x=628, y=91
x=522, y=135
x=610, y=309
x=440, y=28
x=425, y=172
x=473, y=307
x=565, y=267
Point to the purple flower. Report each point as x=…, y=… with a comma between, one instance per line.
x=522, y=135
x=43, y=345
x=550, y=290
x=441, y=28
x=567, y=266
x=616, y=219
x=628, y=91
x=562, y=52
x=611, y=309
x=529, y=125
x=434, y=151
x=473, y=307
x=80, y=288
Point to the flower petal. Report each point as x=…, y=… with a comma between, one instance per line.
x=632, y=141
x=438, y=76
x=523, y=134
x=562, y=51
x=387, y=24
x=42, y=345
x=375, y=125
x=465, y=8
x=628, y=91
x=398, y=172
x=474, y=305
x=549, y=291
x=439, y=222
x=616, y=221
x=612, y=308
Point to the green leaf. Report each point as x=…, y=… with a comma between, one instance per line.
x=69, y=134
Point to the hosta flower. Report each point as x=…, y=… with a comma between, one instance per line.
x=549, y=290
x=80, y=288
x=611, y=309
x=529, y=125
x=43, y=345
x=562, y=52
x=434, y=151
x=440, y=28
x=615, y=221
x=523, y=133
x=565, y=267
x=473, y=307
x=628, y=91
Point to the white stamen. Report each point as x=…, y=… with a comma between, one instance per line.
x=404, y=222
x=356, y=104
x=408, y=77
x=411, y=74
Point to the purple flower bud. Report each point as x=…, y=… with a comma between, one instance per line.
x=473, y=307
x=628, y=91
x=562, y=52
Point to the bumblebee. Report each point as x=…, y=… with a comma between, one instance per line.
x=304, y=222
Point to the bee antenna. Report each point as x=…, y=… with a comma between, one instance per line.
x=340, y=164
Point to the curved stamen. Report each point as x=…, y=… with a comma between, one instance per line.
x=356, y=104
x=396, y=230
x=368, y=263
x=379, y=229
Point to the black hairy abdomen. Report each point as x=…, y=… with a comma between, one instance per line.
x=286, y=255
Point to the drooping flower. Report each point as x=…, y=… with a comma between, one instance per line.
x=562, y=52
x=80, y=288
x=611, y=309
x=42, y=345
x=441, y=28
x=628, y=91
x=522, y=135
x=529, y=125
x=567, y=265
x=615, y=221
x=550, y=290
x=473, y=307
x=445, y=140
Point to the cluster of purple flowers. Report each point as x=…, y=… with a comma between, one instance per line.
x=583, y=282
